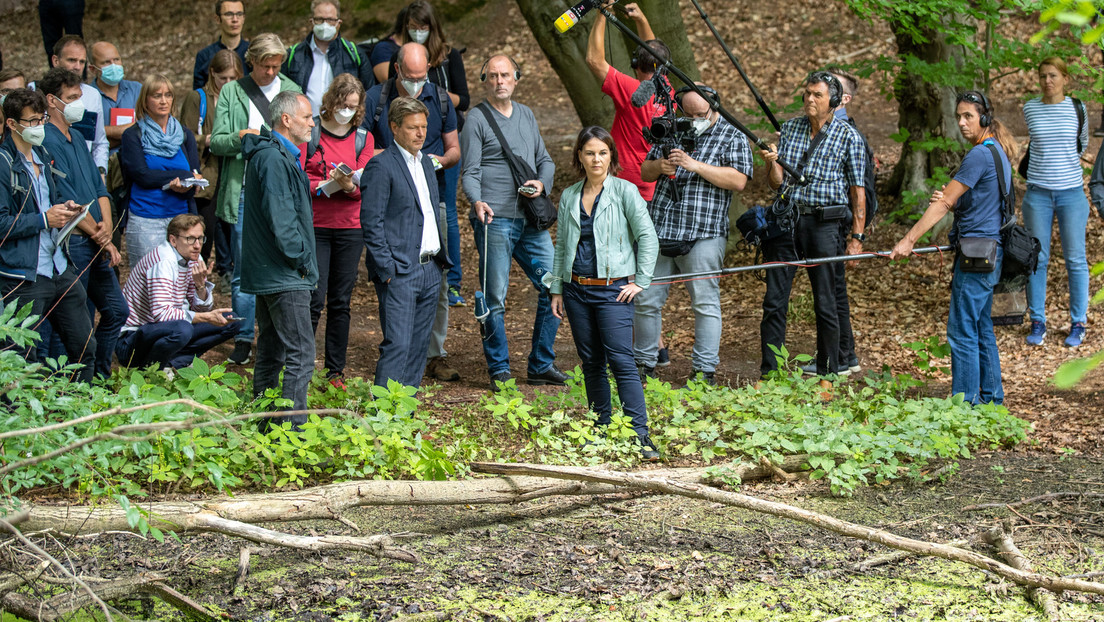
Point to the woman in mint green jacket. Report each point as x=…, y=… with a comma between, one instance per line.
x=606, y=249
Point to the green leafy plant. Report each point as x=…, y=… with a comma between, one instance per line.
x=928, y=351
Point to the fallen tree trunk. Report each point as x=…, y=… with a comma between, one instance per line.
x=1042, y=598
x=328, y=502
x=696, y=491
x=63, y=606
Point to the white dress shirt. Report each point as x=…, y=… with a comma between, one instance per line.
x=321, y=76
x=431, y=240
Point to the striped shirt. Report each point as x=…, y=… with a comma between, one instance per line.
x=1055, y=163
x=159, y=289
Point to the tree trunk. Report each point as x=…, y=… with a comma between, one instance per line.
x=924, y=110
x=567, y=52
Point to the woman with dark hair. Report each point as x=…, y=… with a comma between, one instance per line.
x=974, y=196
x=606, y=248
x=446, y=70
x=385, y=49
x=197, y=113
x=1059, y=133
x=333, y=161
x=156, y=153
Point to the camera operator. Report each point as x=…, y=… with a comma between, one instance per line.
x=694, y=185
x=830, y=155
x=628, y=120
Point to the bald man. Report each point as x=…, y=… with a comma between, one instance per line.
x=106, y=67
x=442, y=146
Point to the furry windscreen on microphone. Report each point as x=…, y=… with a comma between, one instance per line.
x=643, y=93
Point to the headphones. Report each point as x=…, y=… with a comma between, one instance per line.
x=705, y=89
x=642, y=58
x=835, y=89
x=483, y=69
x=979, y=98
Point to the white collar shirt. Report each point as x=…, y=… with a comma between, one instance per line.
x=321, y=76
x=431, y=240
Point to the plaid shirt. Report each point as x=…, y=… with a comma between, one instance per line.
x=701, y=209
x=837, y=165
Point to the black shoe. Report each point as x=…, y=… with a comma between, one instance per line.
x=647, y=448
x=502, y=376
x=646, y=372
x=240, y=355
x=703, y=376
x=552, y=376
x=663, y=359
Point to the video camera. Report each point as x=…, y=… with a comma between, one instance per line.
x=666, y=131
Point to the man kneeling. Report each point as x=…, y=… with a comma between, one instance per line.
x=169, y=323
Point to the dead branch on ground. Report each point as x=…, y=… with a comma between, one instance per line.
x=1042, y=598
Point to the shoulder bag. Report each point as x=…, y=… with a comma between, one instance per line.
x=538, y=209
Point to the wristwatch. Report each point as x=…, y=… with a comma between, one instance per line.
x=861, y=237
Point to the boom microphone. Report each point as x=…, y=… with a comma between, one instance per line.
x=643, y=93
x=572, y=16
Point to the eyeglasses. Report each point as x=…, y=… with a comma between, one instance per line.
x=34, y=121
x=318, y=21
x=190, y=240
x=234, y=15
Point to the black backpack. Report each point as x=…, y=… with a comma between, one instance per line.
x=1021, y=250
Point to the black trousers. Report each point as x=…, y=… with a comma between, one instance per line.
x=57, y=18
x=843, y=304
x=338, y=252
x=61, y=301
x=809, y=240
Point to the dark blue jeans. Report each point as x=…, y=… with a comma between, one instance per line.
x=104, y=294
x=59, y=301
x=407, y=307
x=285, y=342
x=448, y=195
x=338, y=252
x=603, y=332
x=171, y=344
x=975, y=360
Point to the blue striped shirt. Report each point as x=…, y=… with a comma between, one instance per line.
x=1055, y=163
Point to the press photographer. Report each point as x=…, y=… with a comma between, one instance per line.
x=697, y=161
x=831, y=156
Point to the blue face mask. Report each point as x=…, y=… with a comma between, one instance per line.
x=112, y=74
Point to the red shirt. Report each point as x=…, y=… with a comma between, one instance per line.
x=341, y=210
x=628, y=121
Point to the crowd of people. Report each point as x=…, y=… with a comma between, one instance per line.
x=284, y=164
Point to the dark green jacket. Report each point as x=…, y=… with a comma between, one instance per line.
x=278, y=230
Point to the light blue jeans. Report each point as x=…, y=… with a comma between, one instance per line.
x=975, y=360
x=245, y=305
x=1040, y=207
x=143, y=235
x=705, y=300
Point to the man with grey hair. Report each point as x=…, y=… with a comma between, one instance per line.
x=442, y=146
x=243, y=108
x=401, y=219
x=278, y=262
x=323, y=55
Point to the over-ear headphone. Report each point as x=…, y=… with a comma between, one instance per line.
x=985, y=119
x=483, y=70
x=835, y=89
x=684, y=90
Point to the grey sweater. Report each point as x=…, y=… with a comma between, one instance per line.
x=486, y=176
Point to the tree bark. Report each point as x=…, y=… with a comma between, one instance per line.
x=924, y=110
x=328, y=502
x=567, y=52
x=642, y=481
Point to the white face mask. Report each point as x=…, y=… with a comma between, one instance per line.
x=418, y=36
x=325, y=32
x=413, y=87
x=700, y=125
x=34, y=135
x=74, y=111
x=344, y=115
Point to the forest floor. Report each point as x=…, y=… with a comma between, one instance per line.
x=651, y=557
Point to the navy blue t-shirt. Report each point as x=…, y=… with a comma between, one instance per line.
x=586, y=252
x=978, y=212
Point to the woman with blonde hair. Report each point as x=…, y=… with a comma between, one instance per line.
x=156, y=155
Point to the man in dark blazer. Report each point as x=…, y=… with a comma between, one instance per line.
x=400, y=219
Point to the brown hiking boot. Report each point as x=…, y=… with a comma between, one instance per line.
x=439, y=369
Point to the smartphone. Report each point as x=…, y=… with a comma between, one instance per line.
x=529, y=190
x=343, y=169
x=234, y=318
